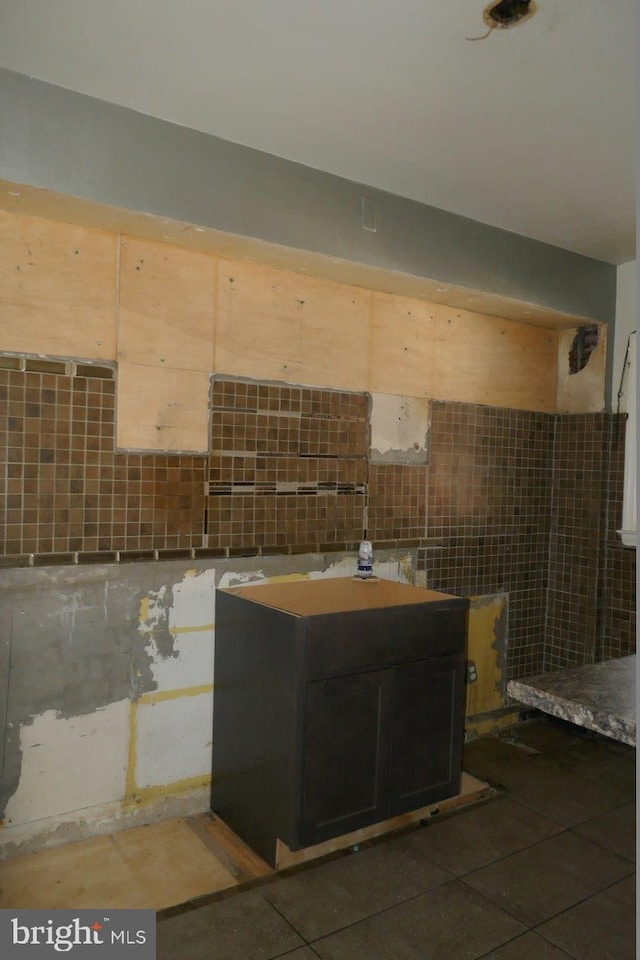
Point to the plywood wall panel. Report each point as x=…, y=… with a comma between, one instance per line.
x=162, y=409
x=402, y=346
x=57, y=288
x=166, y=305
x=275, y=324
x=488, y=360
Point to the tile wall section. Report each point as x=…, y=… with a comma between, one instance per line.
x=288, y=471
x=488, y=498
x=524, y=503
x=617, y=635
x=576, y=540
x=65, y=489
x=287, y=468
x=529, y=504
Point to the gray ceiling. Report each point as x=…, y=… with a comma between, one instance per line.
x=531, y=129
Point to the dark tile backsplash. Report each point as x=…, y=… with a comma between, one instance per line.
x=287, y=467
x=489, y=499
x=575, y=543
x=522, y=503
x=66, y=490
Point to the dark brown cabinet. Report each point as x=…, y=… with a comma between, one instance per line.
x=337, y=704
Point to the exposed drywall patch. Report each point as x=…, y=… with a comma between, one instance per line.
x=397, y=569
x=193, y=602
x=399, y=429
x=154, y=620
x=70, y=764
x=189, y=621
x=232, y=578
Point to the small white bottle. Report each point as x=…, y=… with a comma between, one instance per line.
x=365, y=560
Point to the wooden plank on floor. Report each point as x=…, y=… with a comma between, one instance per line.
x=229, y=849
x=471, y=789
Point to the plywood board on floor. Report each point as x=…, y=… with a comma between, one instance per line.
x=171, y=863
x=166, y=305
x=471, y=790
x=152, y=867
x=57, y=288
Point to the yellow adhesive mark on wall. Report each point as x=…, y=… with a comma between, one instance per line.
x=143, y=618
x=158, y=696
x=132, y=754
x=406, y=567
x=150, y=794
x=484, y=694
x=174, y=631
x=288, y=578
x=144, y=610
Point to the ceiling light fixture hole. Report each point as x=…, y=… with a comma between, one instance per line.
x=507, y=13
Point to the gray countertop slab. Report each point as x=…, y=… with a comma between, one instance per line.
x=599, y=696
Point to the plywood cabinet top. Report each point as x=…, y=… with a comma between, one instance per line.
x=307, y=598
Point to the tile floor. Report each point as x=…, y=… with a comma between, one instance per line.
x=545, y=871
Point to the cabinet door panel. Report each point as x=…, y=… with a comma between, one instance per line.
x=427, y=732
x=346, y=760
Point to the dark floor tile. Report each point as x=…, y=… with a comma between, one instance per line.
x=609, y=756
x=528, y=947
x=601, y=928
x=482, y=834
x=538, y=883
x=452, y=922
x=566, y=789
x=244, y=927
x=302, y=953
x=545, y=734
x=340, y=892
x=615, y=830
x=489, y=758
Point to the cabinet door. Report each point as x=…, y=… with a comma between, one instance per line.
x=346, y=754
x=427, y=732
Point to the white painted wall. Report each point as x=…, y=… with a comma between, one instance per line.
x=626, y=319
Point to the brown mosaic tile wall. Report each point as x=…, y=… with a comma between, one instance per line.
x=397, y=502
x=288, y=467
x=524, y=503
x=617, y=636
x=65, y=489
x=489, y=500
x=575, y=542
